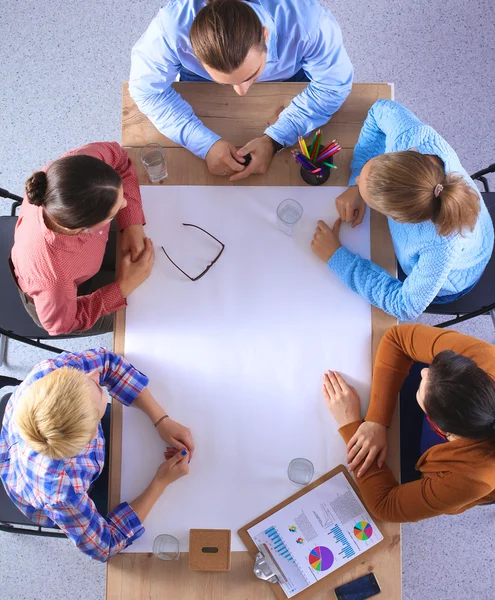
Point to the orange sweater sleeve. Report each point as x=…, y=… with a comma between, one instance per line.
x=428, y=497
x=404, y=344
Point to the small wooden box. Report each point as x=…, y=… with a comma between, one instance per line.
x=209, y=550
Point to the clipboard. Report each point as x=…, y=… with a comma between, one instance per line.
x=332, y=580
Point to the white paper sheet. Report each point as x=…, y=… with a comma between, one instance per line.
x=316, y=534
x=238, y=355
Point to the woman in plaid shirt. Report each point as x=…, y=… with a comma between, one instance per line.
x=52, y=448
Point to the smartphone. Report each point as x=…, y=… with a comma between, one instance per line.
x=359, y=589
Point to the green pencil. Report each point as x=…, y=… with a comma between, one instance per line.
x=329, y=165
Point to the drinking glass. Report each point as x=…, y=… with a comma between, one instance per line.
x=166, y=547
x=289, y=213
x=301, y=471
x=153, y=158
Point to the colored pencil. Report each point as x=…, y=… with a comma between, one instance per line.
x=306, y=163
x=328, y=149
x=329, y=165
x=299, y=139
x=314, y=141
x=306, y=153
x=315, y=136
x=316, y=145
x=331, y=152
x=300, y=157
x=333, y=143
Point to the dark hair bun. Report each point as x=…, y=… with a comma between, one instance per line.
x=36, y=188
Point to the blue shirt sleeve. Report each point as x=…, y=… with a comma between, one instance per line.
x=330, y=71
x=404, y=300
x=385, y=123
x=154, y=67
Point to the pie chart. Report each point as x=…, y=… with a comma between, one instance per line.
x=363, y=530
x=321, y=558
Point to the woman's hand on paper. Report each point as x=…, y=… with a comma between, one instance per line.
x=351, y=206
x=133, y=241
x=326, y=241
x=368, y=443
x=174, y=468
x=222, y=159
x=133, y=274
x=176, y=435
x=342, y=399
x=262, y=152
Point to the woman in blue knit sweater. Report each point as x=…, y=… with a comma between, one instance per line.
x=441, y=230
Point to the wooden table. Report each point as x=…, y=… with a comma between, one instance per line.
x=240, y=119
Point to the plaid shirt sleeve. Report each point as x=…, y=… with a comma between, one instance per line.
x=97, y=536
x=123, y=381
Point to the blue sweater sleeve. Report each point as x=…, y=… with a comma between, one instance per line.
x=406, y=300
x=385, y=123
x=330, y=71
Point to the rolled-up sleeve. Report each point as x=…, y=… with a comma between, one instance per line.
x=154, y=67
x=330, y=71
x=97, y=536
x=60, y=310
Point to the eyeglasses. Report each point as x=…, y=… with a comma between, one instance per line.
x=209, y=266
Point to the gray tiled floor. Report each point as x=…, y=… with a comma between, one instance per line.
x=61, y=66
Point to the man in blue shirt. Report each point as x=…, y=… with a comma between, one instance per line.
x=238, y=42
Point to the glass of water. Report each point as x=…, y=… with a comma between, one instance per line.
x=301, y=471
x=166, y=547
x=153, y=158
x=289, y=213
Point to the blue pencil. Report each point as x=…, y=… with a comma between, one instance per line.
x=306, y=163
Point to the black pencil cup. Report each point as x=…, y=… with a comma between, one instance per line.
x=317, y=178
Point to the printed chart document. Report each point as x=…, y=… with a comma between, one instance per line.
x=317, y=533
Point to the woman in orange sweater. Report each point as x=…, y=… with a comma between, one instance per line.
x=457, y=395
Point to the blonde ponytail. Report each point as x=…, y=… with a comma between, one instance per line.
x=457, y=206
x=410, y=187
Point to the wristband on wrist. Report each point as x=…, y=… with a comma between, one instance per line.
x=160, y=420
x=276, y=145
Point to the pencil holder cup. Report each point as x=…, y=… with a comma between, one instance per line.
x=316, y=178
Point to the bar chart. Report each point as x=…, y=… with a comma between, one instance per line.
x=278, y=544
x=347, y=550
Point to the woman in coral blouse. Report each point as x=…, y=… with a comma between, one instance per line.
x=63, y=257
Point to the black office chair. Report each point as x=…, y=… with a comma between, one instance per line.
x=481, y=299
x=15, y=323
x=12, y=520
